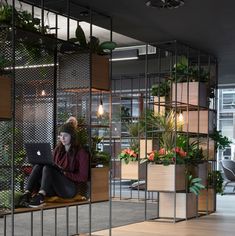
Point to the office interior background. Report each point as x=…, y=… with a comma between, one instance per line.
x=135, y=26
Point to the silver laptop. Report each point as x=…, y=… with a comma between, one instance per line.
x=39, y=153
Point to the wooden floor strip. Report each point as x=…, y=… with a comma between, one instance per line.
x=221, y=223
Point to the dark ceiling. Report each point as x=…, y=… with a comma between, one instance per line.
x=204, y=24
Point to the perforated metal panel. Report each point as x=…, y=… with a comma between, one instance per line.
x=5, y=120
x=34, y=103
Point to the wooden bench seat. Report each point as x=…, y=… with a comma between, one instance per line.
x=52, y=203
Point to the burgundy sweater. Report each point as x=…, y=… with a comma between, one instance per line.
x=75, y=165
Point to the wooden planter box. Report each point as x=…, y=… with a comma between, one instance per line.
x=130, y=170
x=5, y=100
x=197, y=93
x=159, y=105
x=74, y=72
x=186, y=205
x=133, y=170
x=202, y=124
x=99, y=184
x=143, y=147
x=200, y=171
x=207, y=200
x=165, y=178
x=203, y=172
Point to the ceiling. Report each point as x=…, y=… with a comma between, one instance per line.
x=205, y=24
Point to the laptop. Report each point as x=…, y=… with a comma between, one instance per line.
x=39, y=153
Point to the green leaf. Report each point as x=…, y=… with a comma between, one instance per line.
x=196, y=180
x=192, y=190
x=108, y=45
x=80, y=35
x=199, y=185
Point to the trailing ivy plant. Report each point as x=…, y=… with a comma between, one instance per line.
x=215, y=179
x=221, y=142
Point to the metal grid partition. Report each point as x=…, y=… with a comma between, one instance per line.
x=49, y=84
x=173, y=67
x=6, y=124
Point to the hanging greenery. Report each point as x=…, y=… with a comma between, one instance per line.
x=221, y=142
x=215, y=179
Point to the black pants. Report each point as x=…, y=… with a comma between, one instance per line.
x=52, y=181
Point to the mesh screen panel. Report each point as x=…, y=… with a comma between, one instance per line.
x=73, y=97
x=34, y=98
x=5, y=124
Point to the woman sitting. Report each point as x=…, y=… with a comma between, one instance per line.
x=49, y=180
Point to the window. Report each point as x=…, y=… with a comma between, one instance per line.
x=228, y=100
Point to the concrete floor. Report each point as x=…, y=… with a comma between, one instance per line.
x=124, y=212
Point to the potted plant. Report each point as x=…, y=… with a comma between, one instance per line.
x=129, y=164
x=189, y=84
x=163, y=168
x=168, y=161
x=160, y=93
x=78, y=49
x=80, y=44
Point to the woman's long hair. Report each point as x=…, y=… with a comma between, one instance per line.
x=75, y=145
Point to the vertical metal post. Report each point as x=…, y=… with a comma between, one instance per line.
x=110, y=135
x=42, y=18
x=55, y=221
x=90, y=121
x=68, y=17
x=42, y=221
x=31, y=223
x=187, y=107
x=55, y=98
x=175, y=106
x=13, y=123
x=145, y=106
x=121, y=163
x=42, y=15
x=56, y=25
x=67, y=220
x=5, y=225
x=76, y=219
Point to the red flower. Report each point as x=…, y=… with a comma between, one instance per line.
x=162, y=151
x=151, y=156
x=129, y=152
x=182, y=153
x=177, y=149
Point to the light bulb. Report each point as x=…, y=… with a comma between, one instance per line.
x=100, y=109
x=43, y=93
x=181, y=118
